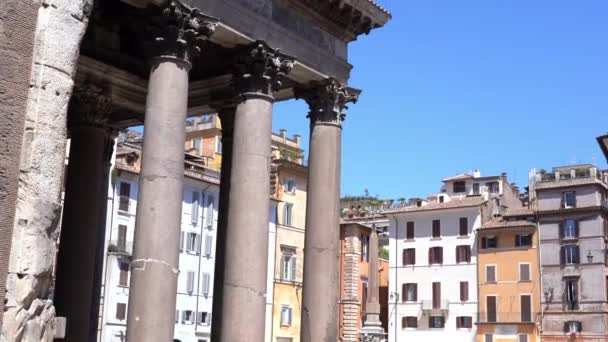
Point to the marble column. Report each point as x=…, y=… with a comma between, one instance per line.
x=372, y=327
x=82, y=233
x=154, y=269
x=326, y=99
x=256, y=75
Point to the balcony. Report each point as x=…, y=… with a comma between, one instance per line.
x=507, y=317
x=578, y=175
x=433, y=307
x=120, y=248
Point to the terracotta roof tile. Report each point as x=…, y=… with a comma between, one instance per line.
x=455, y=203
x=500, y=223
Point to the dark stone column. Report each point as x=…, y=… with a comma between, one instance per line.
x=154, y=269
x=256, y=75
x=82, y=232
x=321, y=293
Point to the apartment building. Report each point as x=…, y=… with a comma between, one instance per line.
x=204, y=139
x=508, y=278
x=433, y=258
x=354, y=275
x=572, y=208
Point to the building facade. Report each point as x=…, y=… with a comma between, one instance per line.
x=354, y=275
x=433, y=258
x=571, y=204
x=508, y=278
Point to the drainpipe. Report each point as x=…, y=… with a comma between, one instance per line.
x=396, y=276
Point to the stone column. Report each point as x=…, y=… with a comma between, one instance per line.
x=154, y=269
x=372, y=327
x=321, y=293
x=91, y=146
x=257, y=70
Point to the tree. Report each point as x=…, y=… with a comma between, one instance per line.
x=383, y=253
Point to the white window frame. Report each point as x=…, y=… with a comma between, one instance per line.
x=218, y=144
x=209, y=214
x=519, y=265
x=187, y=317
x=288, y=263
x=571, y=230
x=288, y=214
x=190, y=277
x=208, y=245
x=198, y=150
x=495, y=273
x=194, y=207
x=207, y=320
x=193, y=242
x=569, y=256
x=205, y=283
x=571, y=294
x=289, y=186
x=565, y=199
x=286, y=320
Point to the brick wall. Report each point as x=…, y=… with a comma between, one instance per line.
x=17, y=28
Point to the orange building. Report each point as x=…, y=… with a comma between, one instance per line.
x=509, y=279
x=354, y=258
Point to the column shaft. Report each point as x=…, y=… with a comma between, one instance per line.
x=322, y=242
x=154, y=268
x=246, y=253
x=85, y=197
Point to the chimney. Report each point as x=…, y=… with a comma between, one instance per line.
x=283, y=133
x=297, y=138
x=476, y=174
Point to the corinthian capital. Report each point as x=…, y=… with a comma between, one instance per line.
x=327, y=99
x=258, y=68
x=90, y=105
x=183, y=31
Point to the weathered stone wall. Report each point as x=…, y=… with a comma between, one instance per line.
x=29, y=313
x=17, y=27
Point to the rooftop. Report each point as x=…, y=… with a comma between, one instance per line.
x=464, y=202
x=501, y=223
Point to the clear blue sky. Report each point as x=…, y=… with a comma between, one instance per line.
x=452, y=86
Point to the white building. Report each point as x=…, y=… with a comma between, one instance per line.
x=433, y=259
x=197, y=248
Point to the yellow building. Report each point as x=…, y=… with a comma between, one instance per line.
x=509, y=279
x=204, y=140
x=291, y=178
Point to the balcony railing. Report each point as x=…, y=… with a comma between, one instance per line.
x=430, y=305
x=570, y=174
x=507, y=317
x=120, y=247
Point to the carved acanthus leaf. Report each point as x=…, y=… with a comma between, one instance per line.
x=90, y=105
x=327, y=100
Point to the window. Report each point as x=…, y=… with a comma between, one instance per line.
x=285, y=315
x=493, y=187
x=464, y=291
x=191, y=244
x=526, y=308
x=459, y=186
x=363, y=296
x=441, y=199
x=409, y=322
x=573, y=327
x=569, y=229
x=489, y=242
x=176, y=316
x=208, y=245
x=218, y=144
x=122, y=237
x=572, y=294
x=189, y=282
x=288, y=264
x=205, y=283
x=569, y=255
x=287, y=209
x=194, y=207
x=464, y=322
x=121, y=311
x=488, y=338
x=475, y=188
x=125, y=195
x=436, y=322
x=524, y=272
x=289, y=186
x=188, y=317
x=463, y=253
x=210, y=209
x=284, y=339
x=490, y=273
x=123, y=279
x=491, y=309
x=522, y=338
x=410, y=292
x=436, y=295
x=197, y=145
x=409, y=231
x=203, y=318
x=436, y=255
x=436, y=228
x=464, y=227
x=409, y=256
x=364, y=248
x=569, y=199
x=523, y=240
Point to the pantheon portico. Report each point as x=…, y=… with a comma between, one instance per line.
x=155, y=63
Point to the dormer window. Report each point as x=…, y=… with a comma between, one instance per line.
x=419, y=203
x=459, y=186
x=440, y=199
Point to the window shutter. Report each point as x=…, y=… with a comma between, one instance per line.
x=576, y=228
x=403, y=292
x=524, y=272
x=484, y=243
x=566, y=328
x=430, y=321
x=440, y=252
x=197, y=244
x=181, y=241
x=289, y=316
x=404, y=257
x=415, y=286
x=431, y=255
x=210, y=208
x=194, y=207
x=293, y=268
x=464, y=226
x=458, y=322
x=205, y=285
x=176, y=316
x=468, y=253
x=410, y=230
x=562, y=255
x=208, y=244
x=579, y=326
x=283, y=266
x=458, y=252
x=562, y=226
x=576, y=255
x=189, y=282
x=413, y=256
x=403, y=322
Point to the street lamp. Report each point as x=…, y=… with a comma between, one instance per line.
x=603, y=142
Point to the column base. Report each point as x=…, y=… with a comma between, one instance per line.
x=373, y=334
